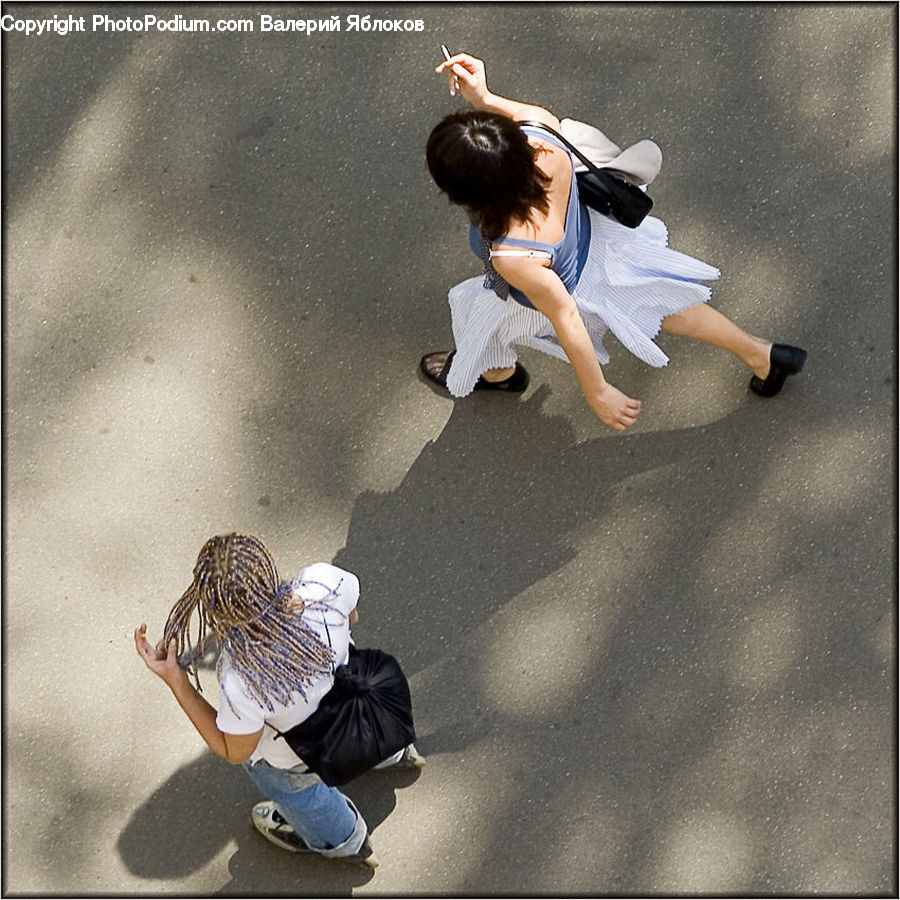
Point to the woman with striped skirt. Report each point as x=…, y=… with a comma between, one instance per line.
x=558, y=274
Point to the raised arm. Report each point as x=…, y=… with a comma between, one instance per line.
x=235, y=748
x=544, y=289
x=467, y=75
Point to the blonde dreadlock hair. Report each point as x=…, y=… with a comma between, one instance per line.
x=240, y=600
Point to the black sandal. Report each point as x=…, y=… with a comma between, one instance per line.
x=515, y=384
x=439, y=378
x=783, y=361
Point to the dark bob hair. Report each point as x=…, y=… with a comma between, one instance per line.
x=483, y=161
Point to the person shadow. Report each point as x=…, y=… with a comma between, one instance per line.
x=489, y=508
x=203, y=809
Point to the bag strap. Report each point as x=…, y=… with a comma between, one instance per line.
x=591, y=166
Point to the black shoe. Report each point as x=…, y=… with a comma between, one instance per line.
x=783, y=361
x=515, y=384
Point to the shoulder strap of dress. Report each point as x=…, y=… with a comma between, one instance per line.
x=531, y=254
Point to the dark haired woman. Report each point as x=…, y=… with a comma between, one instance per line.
x=572, y=273
x=279, y=643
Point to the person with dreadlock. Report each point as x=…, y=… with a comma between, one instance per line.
x=278, y=643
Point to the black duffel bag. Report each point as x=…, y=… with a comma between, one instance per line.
x=365, y=718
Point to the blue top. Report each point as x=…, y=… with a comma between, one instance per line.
x=567, y=256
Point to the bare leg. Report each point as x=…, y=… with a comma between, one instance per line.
x=703, y=323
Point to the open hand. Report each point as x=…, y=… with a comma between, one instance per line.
x=160, y=660
x=615, y=408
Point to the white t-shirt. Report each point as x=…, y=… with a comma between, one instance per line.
x=339, y=590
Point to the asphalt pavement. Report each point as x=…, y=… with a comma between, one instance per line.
x=647, y=663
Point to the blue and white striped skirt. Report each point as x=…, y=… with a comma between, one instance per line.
x=631, y=281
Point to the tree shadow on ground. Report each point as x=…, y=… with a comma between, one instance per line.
x=499, y=507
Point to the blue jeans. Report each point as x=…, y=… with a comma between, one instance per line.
x=326, y=820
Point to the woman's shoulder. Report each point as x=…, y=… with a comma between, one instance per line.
x=554, y=160
x=529, y=113
x=523, y=272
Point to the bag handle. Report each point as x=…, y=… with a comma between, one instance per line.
x=591, y=166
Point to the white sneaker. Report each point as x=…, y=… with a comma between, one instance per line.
x=411, y=758
x=272, y=825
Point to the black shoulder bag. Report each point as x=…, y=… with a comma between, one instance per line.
x=606, y=190
x=365, y=718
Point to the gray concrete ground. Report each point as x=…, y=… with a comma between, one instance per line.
x=647, y=663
